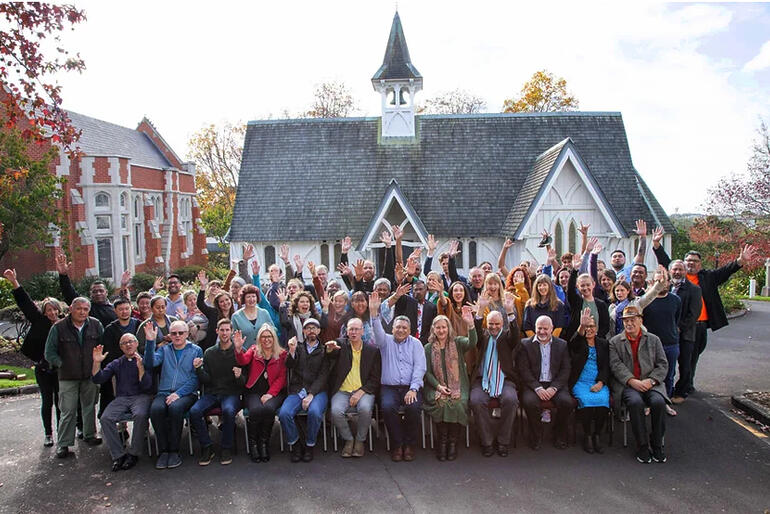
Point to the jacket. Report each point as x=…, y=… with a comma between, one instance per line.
x=276, y=369
x=175, y=376
x=407, y=306
x=34, y=342
x=652, y=361
x=104, y=312
x=340, y=362
x=529, y=363
x=576, y=306
x=308, y=371
x=216, y=373
x=691, y=297
x=709, y=282
x=71, y=350
x=578, y=353
x=507, y=350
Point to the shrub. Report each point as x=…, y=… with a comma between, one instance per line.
x=188, y=273
x=6, y=296
x=83, y=286
x=142, y=282
x=11, y=313
x=730, y=299
x=42, y=285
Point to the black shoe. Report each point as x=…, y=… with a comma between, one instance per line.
x=598, y=448
x=658, y=455
x=207, y=453
x=451, y=449
x=559, y=443
x=93, y=441
x=535, y=443
x=254, y=452
x=307, y=453
x=48, y=441
x=588, y=444
x=117, y=464
x=643, y=455
x=487, y=451
x=296, y=452
x=502, y=450
x=62, y=452
x=226, y=457
x=130, y=461
x=79, y=433
x=264, y=451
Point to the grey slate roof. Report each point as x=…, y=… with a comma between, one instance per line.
x=397, y=63
x=312, y=179
x=104, y=138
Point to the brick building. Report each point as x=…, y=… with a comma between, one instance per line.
x=130, y=203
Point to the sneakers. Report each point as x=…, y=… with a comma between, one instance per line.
x=93, y=441
x=545, y=417
x=207, y=453
x=174, y=460
x=358, y=449
x=162, y=462
x=226, y=457
x=48, y=441
x=643, y=455
x=347, y=450
x=658, y=455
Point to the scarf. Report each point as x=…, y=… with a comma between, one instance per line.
x=619, y=315
x=298, y=319
x=452, y=361
x=492, y=377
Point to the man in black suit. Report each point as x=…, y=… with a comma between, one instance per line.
x=544, y=368
x=419, y=311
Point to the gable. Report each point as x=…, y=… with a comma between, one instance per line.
x=394, y=209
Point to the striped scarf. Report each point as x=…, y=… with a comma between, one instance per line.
x=492, y=377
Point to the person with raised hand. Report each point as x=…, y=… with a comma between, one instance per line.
x=446, y=260
x=222, y=308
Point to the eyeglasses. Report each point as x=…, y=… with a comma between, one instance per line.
x=177, y=333
x=126, y=343
x=590, y=327
x=692, y=260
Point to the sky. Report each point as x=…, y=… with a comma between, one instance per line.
x=692, y=81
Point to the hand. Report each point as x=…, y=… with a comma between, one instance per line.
x=483, y=302
x=748, y=254
x=180, y=313
x=432, y=244
x=410, y=397
x=542, y=394
x=203, y=279
x=551, y=392
x=283, y=253
x=197, y=362
x=306, y=401
x=657, y=236
x=400, y=272
x=641, y=228
x=298, y=264
x=255, y=267
x=171, y=398
x=293, y=345
x=597, y=249
x=98, y=354
x=518, y=279
x=125, y=278
x=661, y=274
x=150, y=332
x=597, y=387
x=385, y=238
x=237, y=371
x=139, y=361
x=509, y=303
x=576, y=261
x=403, y=289
x=454, y=248
x=265, y=398
x=398, y=233
x=443, y=390
x=62, y=266
x=238, y=340
x=508, y=243
x=586, y=318
x=311, y=268
x=331, y=346
x=325, y=303
x=591, y=243
x=584, y=229
x=158, y=284
x=10, y=276
x=468, y=315
x=248, y=253
x=282, y=294
x=640, y=385
x=552, y=256
x=374, y=305
x=359, y=269
x=416, y=254
x=435, y=284
x=346, y=244
x=356, y=397
x=344, y=269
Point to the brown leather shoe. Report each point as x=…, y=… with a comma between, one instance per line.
x=396, y=454
x=408, y=453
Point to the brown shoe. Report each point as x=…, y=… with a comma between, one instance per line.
x=408, y=453
x=397, y=454
x=347, y=450
x=676, y=400
x=358, y=449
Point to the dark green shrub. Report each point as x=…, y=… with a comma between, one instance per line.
x=188, y=273
x=142, y=282
x=42, y=285
x=6, y=296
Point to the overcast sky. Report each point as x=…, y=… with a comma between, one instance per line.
x=691, y=80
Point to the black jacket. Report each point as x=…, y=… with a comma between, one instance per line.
x=576, y=306
x=709, y=282
x=111, y=338
x=76, y=359
x=691, y=297
x=341, y=361
x=216, y=373
x=578, y=353
x=34, y=343
x=407, y=306
x=288, y=330
x=104, y=312
x=309, y=371
x=529, y=363
x=508, y=348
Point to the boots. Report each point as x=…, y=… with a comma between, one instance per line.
x=454, y=432
x=264, y=440
x=443, y=441
x=254, y=441
x=598, y=448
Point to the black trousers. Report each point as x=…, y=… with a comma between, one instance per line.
x=635, y=403
x=531, y=402
x=701, y=339
x=48, y=382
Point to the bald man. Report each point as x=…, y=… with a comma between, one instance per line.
x=133, y=389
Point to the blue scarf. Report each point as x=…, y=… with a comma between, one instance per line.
x=619, y=315
x=492, y=376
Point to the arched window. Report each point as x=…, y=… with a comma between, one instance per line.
x=558, y=239
x=102, y=200
x=124, y=201
x=337, y=255
x=325, y=255
x=572, y=237
x=472, y=254
x=137, y=207
x=269, y=255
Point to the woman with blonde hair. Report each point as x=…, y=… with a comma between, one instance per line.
x=264, y=386
x=543, y=302
x=446, y=386
x=492, y=298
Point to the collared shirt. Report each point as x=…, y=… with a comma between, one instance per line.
x=402, y=363
x=545, y=361
x=419, y=319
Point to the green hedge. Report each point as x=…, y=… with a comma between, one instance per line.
x=6, y=296
x=42, y=285
x=142, y=282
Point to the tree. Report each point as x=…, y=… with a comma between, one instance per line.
x=542, y=93
x=331, y=100
x=29, y=194
x=217, y=154
x=458, y=101
x=30, y=96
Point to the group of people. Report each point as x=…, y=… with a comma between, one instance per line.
x=572, y=335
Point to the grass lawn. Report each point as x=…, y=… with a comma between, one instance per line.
x=757, y=298
x=17, y=383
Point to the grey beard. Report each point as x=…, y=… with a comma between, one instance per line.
x=677, y=281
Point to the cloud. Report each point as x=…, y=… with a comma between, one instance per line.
x=761, y=61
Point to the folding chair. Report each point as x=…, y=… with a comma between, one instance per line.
x=126, y=418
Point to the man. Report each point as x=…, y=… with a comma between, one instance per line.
x=176, y=389
x=174, y=299
x=661, y=317
x=308, y=372
x=355, y=370
x=101, y=308
x=69, y=348
x=125, y=324
x=618, y=257
x=403, y=369
x=476, y=276
x=494, y=377
x=639, y=279
x=639, y=366
x=446, y=260
x=419, y=311
x=223, y=379
x=544, y=367
x=133, y=389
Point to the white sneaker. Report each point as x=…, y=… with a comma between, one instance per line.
x=545, y=417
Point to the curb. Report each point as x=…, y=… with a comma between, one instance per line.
x=15, y=391
x=738, y=314
x=757, y=411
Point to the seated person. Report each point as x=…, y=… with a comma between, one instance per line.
x=494, y=377
x=403, y=369
x=544, y=367
x=133, y=389
x=177, y=388
x=638, y=364
x=355, y=370
x=308, y=373
x=223, y=383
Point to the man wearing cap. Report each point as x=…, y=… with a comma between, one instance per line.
x=639, y=366
x=308, y=371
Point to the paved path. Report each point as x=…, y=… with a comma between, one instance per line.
x=714, y=465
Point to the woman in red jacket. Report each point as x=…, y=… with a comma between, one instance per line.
x=264, y=388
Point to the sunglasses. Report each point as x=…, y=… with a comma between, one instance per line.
x=177, y=333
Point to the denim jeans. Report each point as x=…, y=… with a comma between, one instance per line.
x=230, y=405
x=315, y=413
x=364, y=407
x=672, y=354
x=168, y=420
x=392, y=399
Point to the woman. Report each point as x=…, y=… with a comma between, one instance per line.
x=435, y=285
x=451, y=306
x=580, y=293
x=543, y=302
x=446, y=381
x=491, y=299
x=264, y=387
x=222, y=308
x=519, y=283
x=40, y=320
x=589, y=376
x=143, y=310
x=622, y=295
x=197, y=322
x=301, y=307
x=334, y=312
x=359, y=308
x=250, y=318
x=160, y=320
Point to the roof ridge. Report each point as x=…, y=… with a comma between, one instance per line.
x=68, y=111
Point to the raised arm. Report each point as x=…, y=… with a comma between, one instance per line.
x=641, y=231
x=503, y=253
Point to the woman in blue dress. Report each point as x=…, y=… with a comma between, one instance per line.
x=590, y=373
